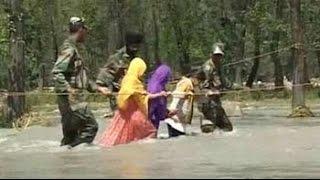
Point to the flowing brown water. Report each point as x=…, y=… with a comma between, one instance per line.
x=264, y=144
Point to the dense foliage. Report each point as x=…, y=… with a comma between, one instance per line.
x=180, y=31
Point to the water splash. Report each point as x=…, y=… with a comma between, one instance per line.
x=86, y=147
x=221, y=133
x=3, y=140
x=147, y=141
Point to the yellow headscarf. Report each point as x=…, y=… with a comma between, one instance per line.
x=131, y=86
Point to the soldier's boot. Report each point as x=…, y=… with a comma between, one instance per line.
x=206, y=125
x=208, y=128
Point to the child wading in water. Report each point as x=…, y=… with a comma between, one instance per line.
x=180, y=111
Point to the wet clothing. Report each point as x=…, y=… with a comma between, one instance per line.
x=182, y=102
x=156, y=84
x=212, y=79
x=127, y=125
x=213, y=111
x=78, y=126
x=130, y=122
x=78, y=123
x=211, y=106
x=112, y=72
x=133, y=86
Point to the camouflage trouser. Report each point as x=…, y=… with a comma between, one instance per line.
x=109, y=83
x=78, y=125
x=213, y=111
x=112, y=99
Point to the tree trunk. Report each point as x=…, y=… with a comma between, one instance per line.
x=50, y=46
x=240, y=8
x=222, y=8
x=182, y=43
x=278, y=72
x=16, y=104
x=143, y=29
x=155, y=18
x=255, y=66
x=240, y=55
x=120, y=9
x=298, y=100
x=54, y=33
x=113, y=32
x=107, y=24
x=318, y=58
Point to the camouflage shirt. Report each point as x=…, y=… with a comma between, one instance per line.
x=69, y=71
x=114, y=69
x=212, y=76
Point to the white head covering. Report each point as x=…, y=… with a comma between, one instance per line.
x=76, y=19
x=217, y=50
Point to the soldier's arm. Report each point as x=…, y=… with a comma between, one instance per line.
x=207, y=72
x=203, y=76
x=217, y=84
x=61, y=67
x=104, y=77
x=226, y=84
x=94, y=87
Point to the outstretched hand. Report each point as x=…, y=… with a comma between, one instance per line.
x=105, y=91
x=211, y=93
x=164, y=93
x=172, y=113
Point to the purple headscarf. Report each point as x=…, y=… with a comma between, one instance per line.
x=157, y=83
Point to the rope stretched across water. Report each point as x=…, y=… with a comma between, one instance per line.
x=175, y=81
x=194, y=94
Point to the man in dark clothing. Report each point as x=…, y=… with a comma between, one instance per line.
x=113, y=71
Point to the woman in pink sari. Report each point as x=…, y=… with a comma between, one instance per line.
x=130, y=123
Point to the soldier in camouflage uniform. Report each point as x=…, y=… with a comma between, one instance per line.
x=212, y=84
x=113, y=71
x=70, y=77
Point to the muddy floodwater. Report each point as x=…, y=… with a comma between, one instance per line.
x=264, y=144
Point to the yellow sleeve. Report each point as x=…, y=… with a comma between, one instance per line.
x=182, y=87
